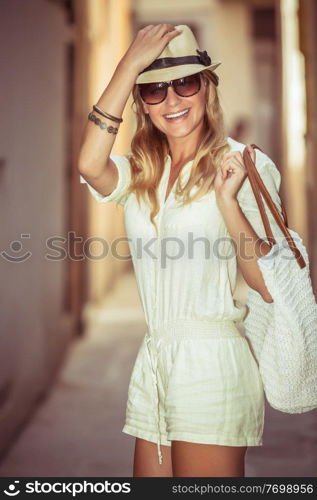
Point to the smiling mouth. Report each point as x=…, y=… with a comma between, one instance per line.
x=179, y=114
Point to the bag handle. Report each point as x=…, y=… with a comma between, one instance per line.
x=259, y=188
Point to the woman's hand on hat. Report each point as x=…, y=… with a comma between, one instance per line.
x=231, y=175
x=148, y=44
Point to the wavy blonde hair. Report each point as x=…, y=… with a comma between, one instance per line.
x=147, y=163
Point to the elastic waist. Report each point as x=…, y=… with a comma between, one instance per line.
x=195, y=328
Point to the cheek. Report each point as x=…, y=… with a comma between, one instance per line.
x=202, y=101
x=197, y=102
x=156, y=118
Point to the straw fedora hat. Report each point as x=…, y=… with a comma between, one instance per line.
x=181, y=57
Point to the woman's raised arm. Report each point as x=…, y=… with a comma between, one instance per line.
x=94, y=163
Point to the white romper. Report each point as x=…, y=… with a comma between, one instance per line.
x=194, y=378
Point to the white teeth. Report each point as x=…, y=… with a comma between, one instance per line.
x=181, y=113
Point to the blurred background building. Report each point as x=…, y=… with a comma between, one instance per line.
x=62, y=290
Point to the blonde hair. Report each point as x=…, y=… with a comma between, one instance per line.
x=147, y=162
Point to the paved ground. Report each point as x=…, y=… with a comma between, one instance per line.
x=77, y=430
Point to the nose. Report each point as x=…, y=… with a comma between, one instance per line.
x=172, y=99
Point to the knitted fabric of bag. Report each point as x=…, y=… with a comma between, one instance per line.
x=288, y=359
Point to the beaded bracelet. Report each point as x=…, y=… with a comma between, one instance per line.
x=102, y=125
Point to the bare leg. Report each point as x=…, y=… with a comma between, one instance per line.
x=207, y=460
x=146, y=462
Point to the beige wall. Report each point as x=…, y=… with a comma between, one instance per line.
x=106, y=34
x=35, y=327
x=308, y=45
x=294, y=115
x=42, y=120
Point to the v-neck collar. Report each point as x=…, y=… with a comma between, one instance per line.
x=183, y=174
x=167, y=170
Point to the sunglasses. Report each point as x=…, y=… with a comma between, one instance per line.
x=155, y=93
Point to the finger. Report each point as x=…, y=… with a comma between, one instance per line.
x=235, y=159
x=164, y=28
x=158, y=28
x=234, y=162
x=172, y=34
x=233, y=154
x=236, y=155
x=232, y=170
x=147, y=28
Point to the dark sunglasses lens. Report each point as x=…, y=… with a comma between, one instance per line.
x=152, y=93
x=187, y=86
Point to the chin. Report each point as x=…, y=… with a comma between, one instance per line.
x=179, y=132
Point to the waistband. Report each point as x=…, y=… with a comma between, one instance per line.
x=194, y=328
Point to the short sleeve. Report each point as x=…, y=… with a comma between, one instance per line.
x=124, y=179
x=271, y=177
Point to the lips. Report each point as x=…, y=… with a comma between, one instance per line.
x=177, y=116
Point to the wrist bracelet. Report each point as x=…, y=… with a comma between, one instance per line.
x=106, y=115
x=102, y=125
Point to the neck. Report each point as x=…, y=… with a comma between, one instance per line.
x=183, y=149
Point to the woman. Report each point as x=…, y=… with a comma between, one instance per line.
x=196, y=399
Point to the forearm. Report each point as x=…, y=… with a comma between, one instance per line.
x=249, y=246
x=97, y=143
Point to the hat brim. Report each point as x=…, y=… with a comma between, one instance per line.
x=172, y=73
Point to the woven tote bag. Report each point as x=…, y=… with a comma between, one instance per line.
x=283, y=334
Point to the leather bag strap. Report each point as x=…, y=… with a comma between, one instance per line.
x=259, y=188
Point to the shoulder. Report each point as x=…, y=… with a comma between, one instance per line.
x=260, y=156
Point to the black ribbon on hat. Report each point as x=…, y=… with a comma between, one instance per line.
x=168, y=62
x=204, y=57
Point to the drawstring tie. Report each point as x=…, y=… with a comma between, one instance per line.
x=183, y=328
x=153, y=366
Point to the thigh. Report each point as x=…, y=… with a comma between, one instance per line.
x=146, y=462
x=207, y=460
